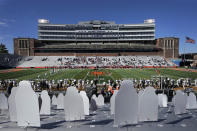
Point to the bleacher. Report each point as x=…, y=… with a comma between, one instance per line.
x=94, y=61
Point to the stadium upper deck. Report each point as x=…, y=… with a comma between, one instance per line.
x=96, y=30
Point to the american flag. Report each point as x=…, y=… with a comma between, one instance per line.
x=189, y=40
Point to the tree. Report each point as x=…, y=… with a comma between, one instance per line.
x=3, y=49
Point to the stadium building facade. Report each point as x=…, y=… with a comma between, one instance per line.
x=96, y=38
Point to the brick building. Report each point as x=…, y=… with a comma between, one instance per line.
x=169, y=46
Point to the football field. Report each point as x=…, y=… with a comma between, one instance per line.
x=99, y=74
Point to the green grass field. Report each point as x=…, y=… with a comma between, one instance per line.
x=108, y=74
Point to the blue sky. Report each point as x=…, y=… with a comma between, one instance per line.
x=176, y=18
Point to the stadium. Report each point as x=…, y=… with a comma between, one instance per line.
x=98, y=65
x=99, y=59
x=95, y=46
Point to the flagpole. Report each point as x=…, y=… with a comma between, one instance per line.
x=188, y=40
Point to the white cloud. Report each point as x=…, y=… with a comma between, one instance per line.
x=8, y=20
x=3, y=23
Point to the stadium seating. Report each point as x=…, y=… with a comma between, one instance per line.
x=83, y=61
x=94, y=61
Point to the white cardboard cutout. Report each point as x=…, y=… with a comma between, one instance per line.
x=73, y=105
x=85, y=102
x=180, y=101
x=3, y=102
x=191, y=101
x=94, y=97
x=148, y=105
x=163, y=100
x=54, y=100
x=37, y=94
x=60, y=101
x=100, y=100
x=46, y=104
x=27, y=105
x=140, y=93
x=12, y=104
x=126, y=104
x=112, y=102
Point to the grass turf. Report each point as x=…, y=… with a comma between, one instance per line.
x=108, y=74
